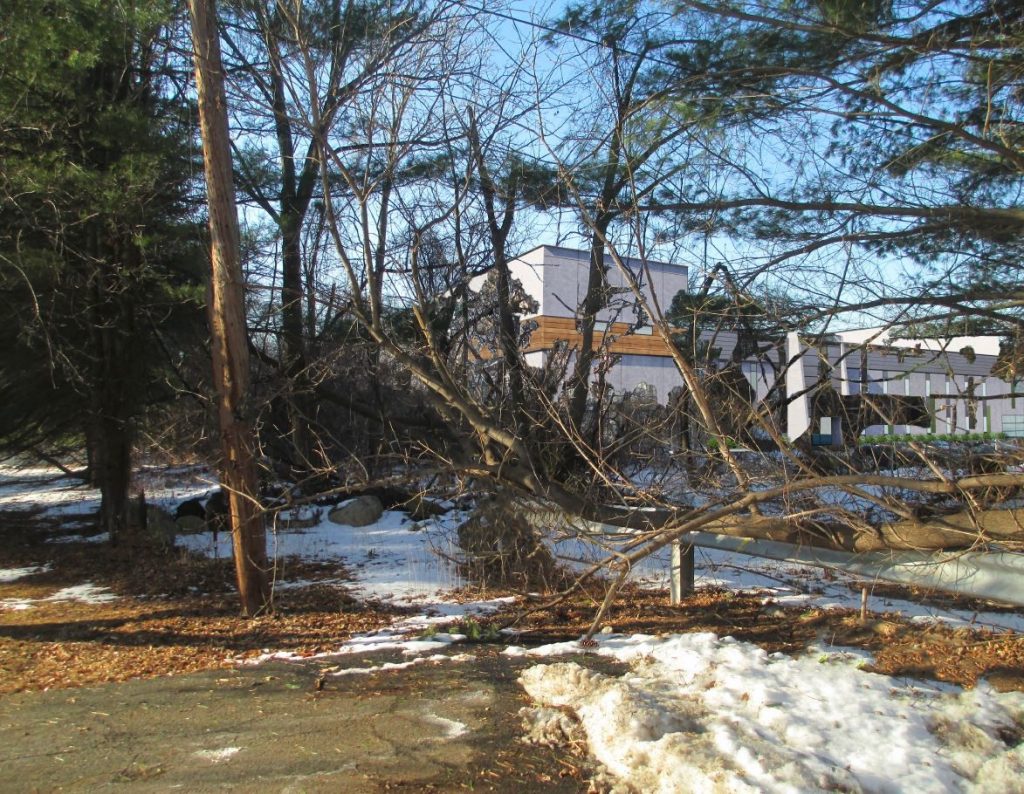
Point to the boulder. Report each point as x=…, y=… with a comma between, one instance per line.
x=357, y=512
x=192, y=508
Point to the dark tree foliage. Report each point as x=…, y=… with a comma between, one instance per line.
x=100, y=256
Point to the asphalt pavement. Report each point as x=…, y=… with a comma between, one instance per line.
x=285, y=726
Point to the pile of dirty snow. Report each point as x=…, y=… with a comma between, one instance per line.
x=698, y=713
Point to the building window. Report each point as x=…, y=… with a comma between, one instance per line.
x=853, y=379
x=750, y=372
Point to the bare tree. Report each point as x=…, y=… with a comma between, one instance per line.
x=424, y=170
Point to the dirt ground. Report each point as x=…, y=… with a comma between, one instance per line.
x=177, y=614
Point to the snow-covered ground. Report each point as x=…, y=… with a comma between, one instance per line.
x=395, y=559
x=699, y=713
x=694, y=712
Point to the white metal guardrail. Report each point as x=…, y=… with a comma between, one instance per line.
x=996, y=576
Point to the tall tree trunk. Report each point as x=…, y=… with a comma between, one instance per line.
x=114, y=423
x=227, y=318
x=111, y=420
x=294, y=198
x=294, y=344
x=114, y=476
x=595, y=299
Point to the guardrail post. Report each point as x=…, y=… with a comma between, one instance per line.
x=682, y=571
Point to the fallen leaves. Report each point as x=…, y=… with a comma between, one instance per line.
x=176, y=614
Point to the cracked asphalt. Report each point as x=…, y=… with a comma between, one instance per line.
x=285, y=726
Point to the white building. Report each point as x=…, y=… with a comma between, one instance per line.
x=952, y=376
x=557, y=279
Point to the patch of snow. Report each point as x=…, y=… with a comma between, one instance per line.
x=699, y=713
x=387, y=666
x=8, y=575
x=16, y=604
x=383, y=640
x=99, y=537
x=218, y=756
x=86, y=593
x=795, y=584
x=392, y=560
x=53, y=492
x=450, y=729
x=411, y=636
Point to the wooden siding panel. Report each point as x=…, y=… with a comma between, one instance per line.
x=551, y=330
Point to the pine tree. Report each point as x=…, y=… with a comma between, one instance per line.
x=98, y=247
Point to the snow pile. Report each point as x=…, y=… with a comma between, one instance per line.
x=219, y=755
x=701, y=714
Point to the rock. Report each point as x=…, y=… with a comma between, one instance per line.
x=357, y=512
x=420, y=508
x=191, y=508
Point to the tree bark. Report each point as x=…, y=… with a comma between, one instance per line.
x=229, y=343
x=112, y=421
x=294, y=199
x=113, y=473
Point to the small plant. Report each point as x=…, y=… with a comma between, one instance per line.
x=475, y=631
